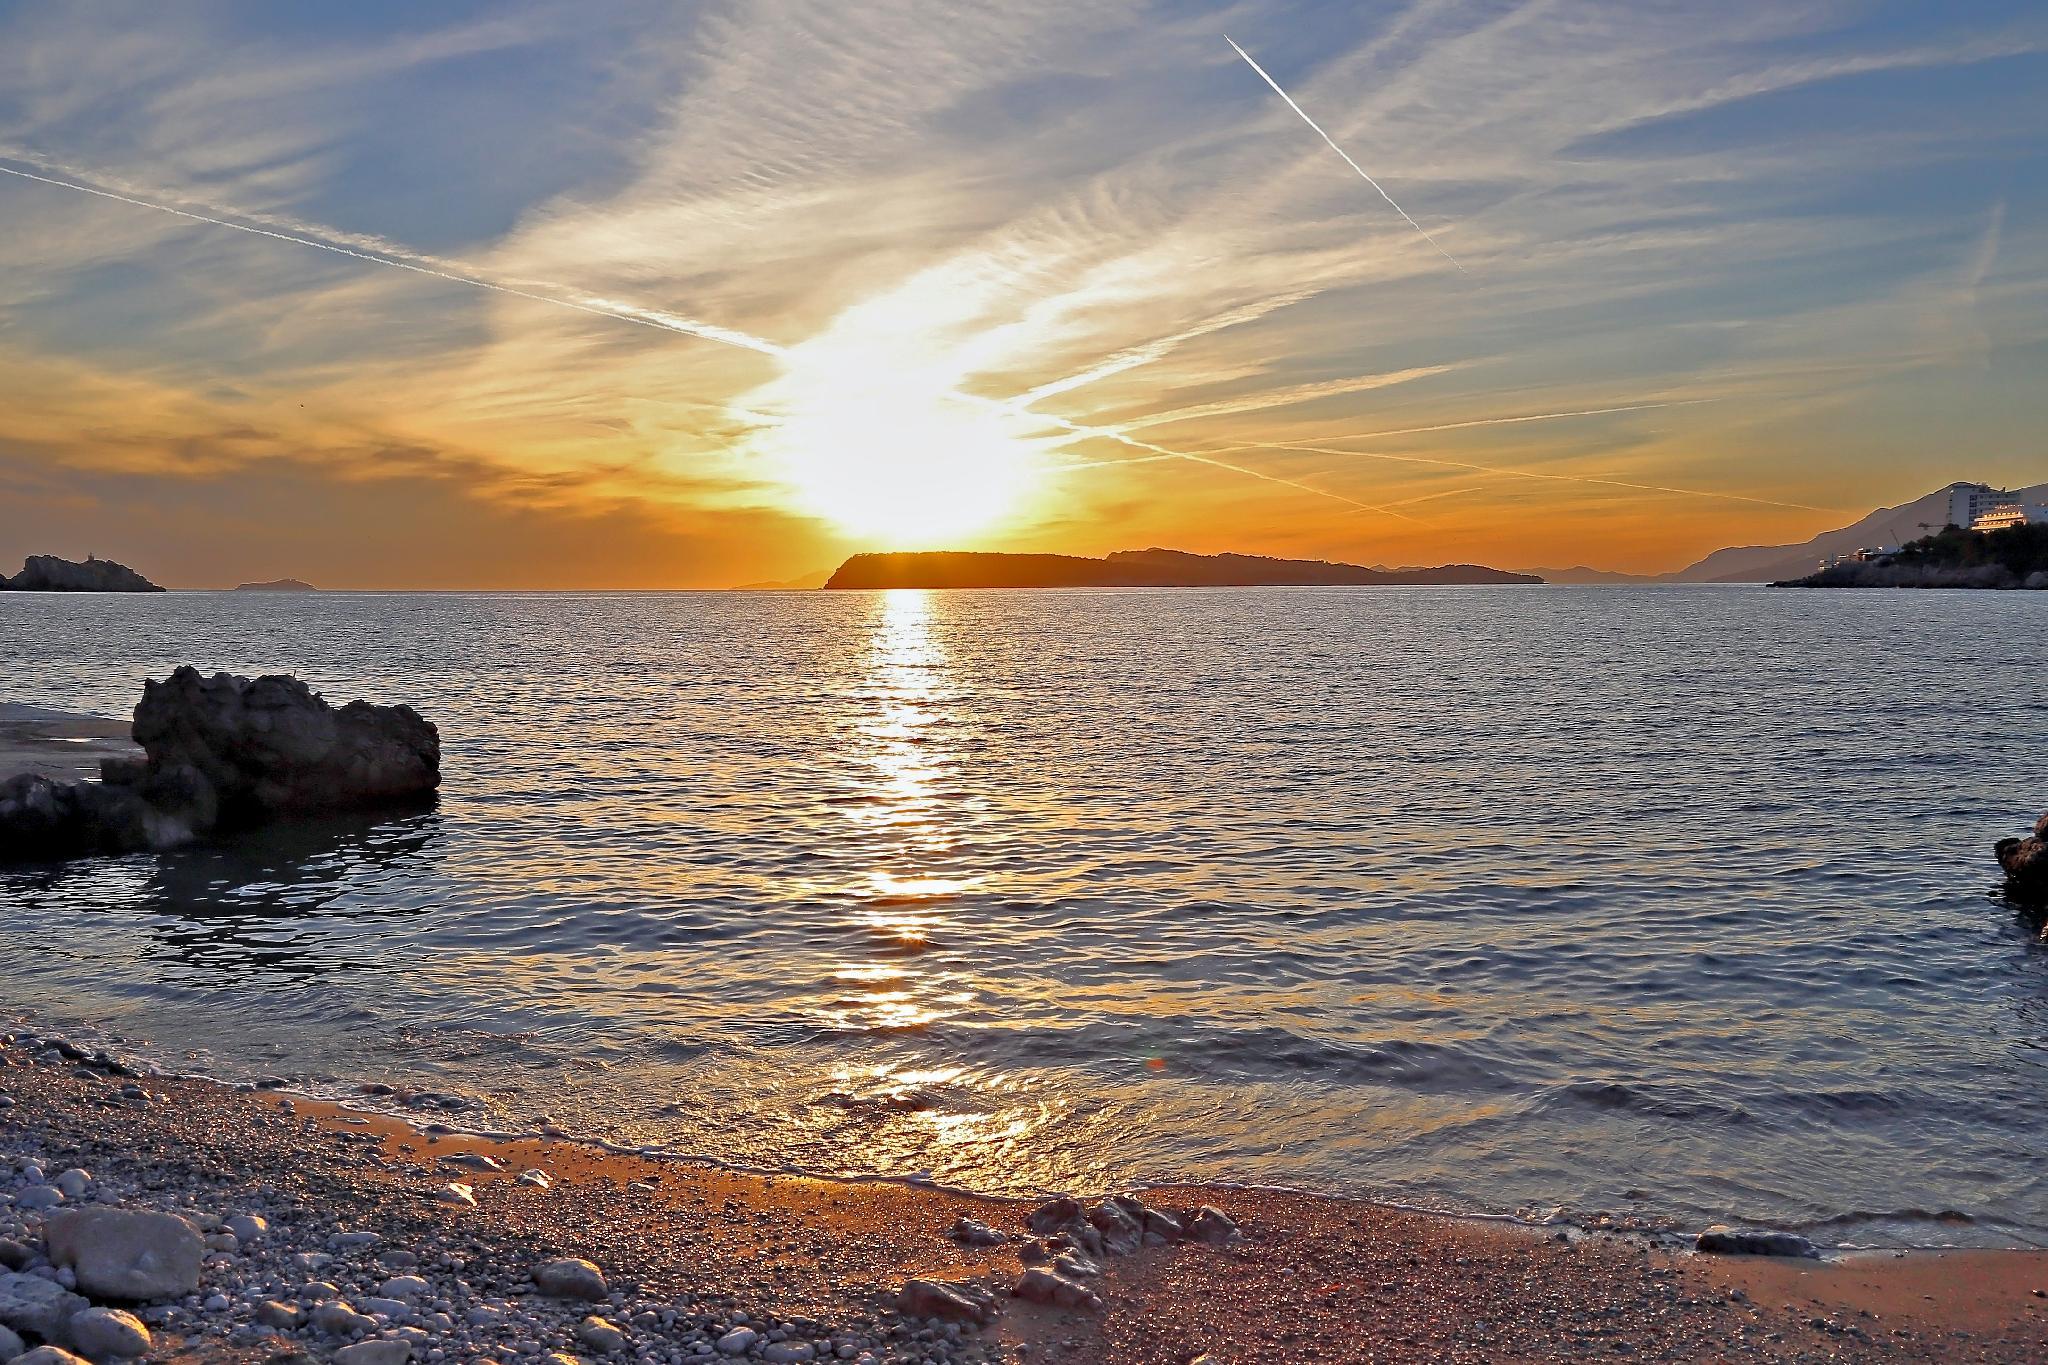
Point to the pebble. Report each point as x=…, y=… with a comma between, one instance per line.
x=738, y=1341
x=569, y=1278
x=601, y=1335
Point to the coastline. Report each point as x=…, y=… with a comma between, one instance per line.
x=1315, y=1277
x=65, y=746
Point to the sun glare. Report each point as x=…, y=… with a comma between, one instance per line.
x=898, y=461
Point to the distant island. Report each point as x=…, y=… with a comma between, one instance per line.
x=1136, y=569
x=277, y=585
x=2011, y=557
x=48, y=573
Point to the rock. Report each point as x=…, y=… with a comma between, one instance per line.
x=10, y=1344
x=272, y=747
x=47, y=1355
x=536, y=1178
x=125, y=1253
x=1161, y=1224
x=48, y=573
x=1056, y=1216
x=224, y=752
x=13, y=1256
x=382, y=1351
x=1726, y=1241
x=247, y=1227
x=36, y=1198
x=107, y=1334
x=283, y=1316
x=569, y=1278
x=458, y=1194
x=475, y=1161
x=971, y=1232
x=394, y=1309
x=1213, y=1226
x=31, y=1304
x=600, y=1335
x=737, y=1342
x=1121, y=1233
x=74, y=1183
x=406, y=1287
x=1042, y=1285
x=338, y=1319
x=951, y=1300
x=783, y=1352
x=2025, y=863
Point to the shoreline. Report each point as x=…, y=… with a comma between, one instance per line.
x=1314, y=1277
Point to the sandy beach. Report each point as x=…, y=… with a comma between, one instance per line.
x=692, y=1255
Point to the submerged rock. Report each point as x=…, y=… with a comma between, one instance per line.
x=2025, y=862
x=222, y=752
x=1726, y=1241
x=47, y=573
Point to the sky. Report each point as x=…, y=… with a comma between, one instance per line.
x=741, y=289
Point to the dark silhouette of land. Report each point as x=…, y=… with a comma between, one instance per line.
x=1137, y=569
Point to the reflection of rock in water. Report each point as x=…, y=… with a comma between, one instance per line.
x=270, y=900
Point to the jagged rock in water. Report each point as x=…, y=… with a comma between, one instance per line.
x=47, y=573
x=271, y=746
x=221, y=752
x=2026, y=864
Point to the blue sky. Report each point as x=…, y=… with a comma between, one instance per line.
x=1065, y=277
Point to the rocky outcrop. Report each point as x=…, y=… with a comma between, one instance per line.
x=47, y=573
x=2025, y=862
x=223, y=752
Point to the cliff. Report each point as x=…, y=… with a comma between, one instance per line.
x=47, y=573
x=1136, y=569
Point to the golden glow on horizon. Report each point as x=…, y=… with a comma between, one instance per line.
x=896, y=459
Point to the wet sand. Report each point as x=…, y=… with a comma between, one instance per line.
x=1314, y=1279
x=59, y=745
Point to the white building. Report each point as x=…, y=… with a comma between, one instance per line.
x=1968, y=501
x=2015, y=513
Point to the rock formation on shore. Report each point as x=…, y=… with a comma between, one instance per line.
x=2026, y=864
x=277, y=585
x=224, y=752
x=47, y=573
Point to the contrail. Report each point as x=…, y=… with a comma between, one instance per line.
x=644, y=317
x=1341, y=152
x=1533, y=474
x=1509, y=421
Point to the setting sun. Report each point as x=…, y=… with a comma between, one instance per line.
x=896, y=459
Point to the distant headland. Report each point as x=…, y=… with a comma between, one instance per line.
x=2014, y=556
x=277, y=585
x=1137, y=569
x=47, y=573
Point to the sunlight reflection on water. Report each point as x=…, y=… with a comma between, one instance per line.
x=1486, y=897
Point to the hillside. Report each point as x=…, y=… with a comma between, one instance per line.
x=1136, y=569
x=2016, y=557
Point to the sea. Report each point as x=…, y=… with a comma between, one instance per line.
x=1665, y=904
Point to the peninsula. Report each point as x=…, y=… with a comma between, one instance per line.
x=2009, y=557
x=1137, y=569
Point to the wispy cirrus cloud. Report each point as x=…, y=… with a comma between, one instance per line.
x=1078, y=214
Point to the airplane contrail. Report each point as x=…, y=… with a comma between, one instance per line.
x=1526, y=417
x=1341, y=152
x=596, y=306
x=593, y=304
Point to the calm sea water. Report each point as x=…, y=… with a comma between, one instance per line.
x=1674, y=901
